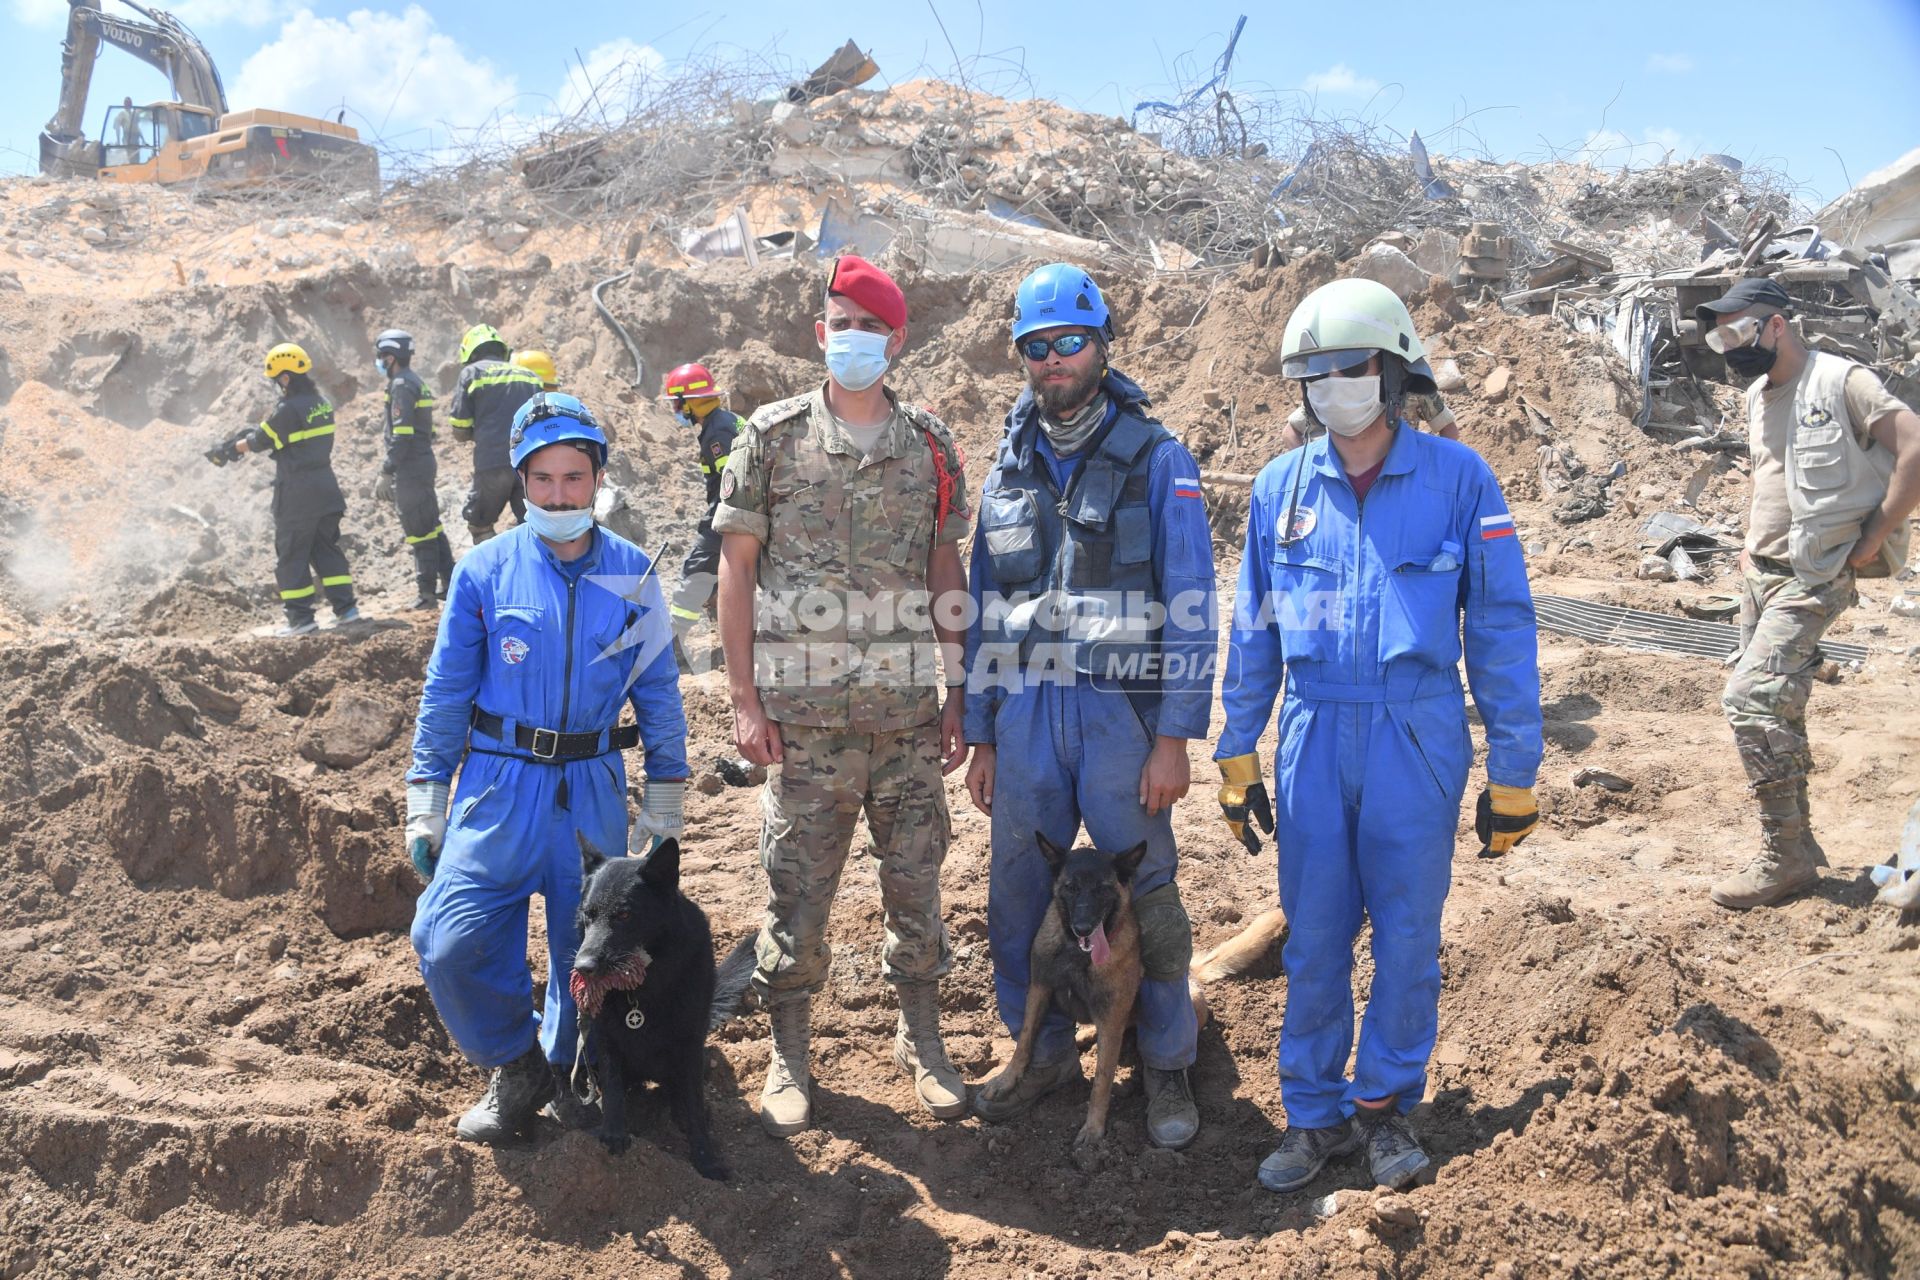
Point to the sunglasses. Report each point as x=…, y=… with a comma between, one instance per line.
x=1067, y=344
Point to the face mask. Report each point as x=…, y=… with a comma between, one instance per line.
x=1347, y=405
x=380, y=367
x=682, y=417
x=856, y=358
x=1753, y=361
x=559, y=526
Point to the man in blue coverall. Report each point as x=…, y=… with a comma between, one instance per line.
x=1090, y=664
x=549, y=629
x=1370, y=553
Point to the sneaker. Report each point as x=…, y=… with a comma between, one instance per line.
x=306, y=627
x=1303, y=1153
x=1393, y=1153
x=1041, y=1079
x=1173, y=1118
x=427, y=602
x=351, y=615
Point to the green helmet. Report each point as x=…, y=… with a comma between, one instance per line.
x=1342, y=324
x=479, y=336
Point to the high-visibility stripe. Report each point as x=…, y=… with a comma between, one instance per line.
x=298, y=593
x=278, y=443
x=338, y=580
x=403, y=431
x=502, y=379
x=721, y=461
x=309, y=434
x=460, y=424
x=424, y=402
x=428, y=536
x=691, y=615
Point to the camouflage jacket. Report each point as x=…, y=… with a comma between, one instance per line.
x=842, y=633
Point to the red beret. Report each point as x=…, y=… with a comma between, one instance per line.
x=868, y=285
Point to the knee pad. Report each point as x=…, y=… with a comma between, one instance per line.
x=1166, y=935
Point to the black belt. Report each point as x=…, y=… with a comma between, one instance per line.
x=551, y=744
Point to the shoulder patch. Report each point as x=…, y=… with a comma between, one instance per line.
x=771, y=415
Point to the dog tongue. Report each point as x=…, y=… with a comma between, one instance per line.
x=1101, y=952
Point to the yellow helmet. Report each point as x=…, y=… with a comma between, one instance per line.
x=288, y=357
x=541, y=363
x=480, y=335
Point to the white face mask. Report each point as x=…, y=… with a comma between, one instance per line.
x=856, y=358
x=559, y=526
x=1347, y=405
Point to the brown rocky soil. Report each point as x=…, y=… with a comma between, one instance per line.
x=217, y=1058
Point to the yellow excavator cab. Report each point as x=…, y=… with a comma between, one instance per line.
x=194, y=137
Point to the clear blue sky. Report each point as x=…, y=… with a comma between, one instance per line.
x=1771, y=83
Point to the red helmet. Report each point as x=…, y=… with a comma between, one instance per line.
x=690, y=381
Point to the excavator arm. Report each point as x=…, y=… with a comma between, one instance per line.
x=163, y=42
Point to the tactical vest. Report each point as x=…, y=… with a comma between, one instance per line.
x=1833, y=485
x=1075, y=570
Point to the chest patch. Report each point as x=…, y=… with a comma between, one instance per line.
x=513, y=650
x=1815, y=417
x=1305, y=520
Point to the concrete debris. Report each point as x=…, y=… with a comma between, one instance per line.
x=731, y=237
x=1590, y=777
x=1494, y=390
x=1392, y=268
x=1654, y=569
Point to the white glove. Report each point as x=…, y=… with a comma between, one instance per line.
x=426, y=824
x=660, y=816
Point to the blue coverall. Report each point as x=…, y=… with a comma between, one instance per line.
x=548, y=644
x=1362, y=614
x=1071, y=750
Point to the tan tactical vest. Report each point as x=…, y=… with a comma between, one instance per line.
x=1833, y=485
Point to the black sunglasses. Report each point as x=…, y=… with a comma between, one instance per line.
x=1067, y=344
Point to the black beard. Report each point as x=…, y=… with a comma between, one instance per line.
x=1062, y=398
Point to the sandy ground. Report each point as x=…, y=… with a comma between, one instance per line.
x=217, y=1057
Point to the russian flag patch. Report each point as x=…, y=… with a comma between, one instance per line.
x=1500, y=526
x=1186, y=486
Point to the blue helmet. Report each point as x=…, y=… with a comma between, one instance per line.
x=549, y=418
x=1059, y=293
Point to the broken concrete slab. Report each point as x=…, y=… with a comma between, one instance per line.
x=1391, y=268
x=1498, y=383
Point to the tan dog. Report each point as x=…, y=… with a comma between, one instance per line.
x=1085, y=959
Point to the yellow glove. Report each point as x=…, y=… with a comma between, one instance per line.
x=1504, y=817
x=1245, y=793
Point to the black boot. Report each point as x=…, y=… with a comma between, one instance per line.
x=515, y=1093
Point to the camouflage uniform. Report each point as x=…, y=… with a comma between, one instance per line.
x=850, y=676
x=1781, y=622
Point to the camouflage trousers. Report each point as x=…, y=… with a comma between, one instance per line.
x=1781, y=622
x=812, y=801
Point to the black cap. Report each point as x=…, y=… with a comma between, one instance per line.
x=1757, y=292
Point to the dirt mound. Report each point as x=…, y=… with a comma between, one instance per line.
x=217, y=1057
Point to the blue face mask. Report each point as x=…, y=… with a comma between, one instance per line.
x=381, y=367
x=559, y=526
x=856, y=358
x=682, y=417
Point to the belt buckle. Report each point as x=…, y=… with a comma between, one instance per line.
x=552, y=739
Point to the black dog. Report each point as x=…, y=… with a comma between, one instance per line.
x=648, y=992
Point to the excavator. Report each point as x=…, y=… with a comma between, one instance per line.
x=193, y=137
